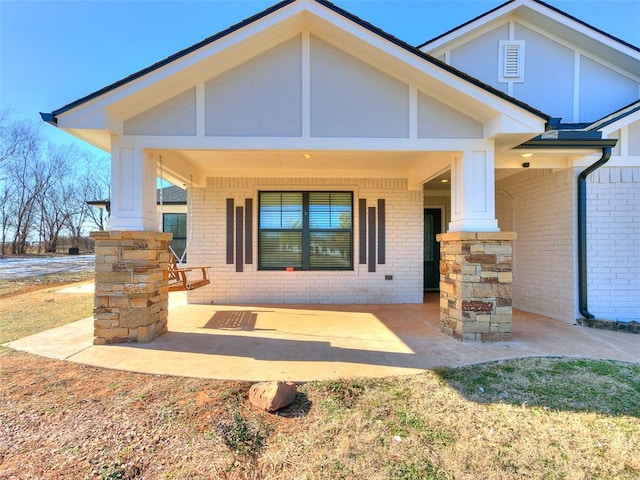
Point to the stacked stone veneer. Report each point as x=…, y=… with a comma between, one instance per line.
x=475, y=285
x=132, y=292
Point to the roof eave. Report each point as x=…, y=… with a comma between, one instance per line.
x=614, y=117
x=538, y=143
x=49, y=118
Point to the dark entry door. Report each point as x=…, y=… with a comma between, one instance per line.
x=432, y=227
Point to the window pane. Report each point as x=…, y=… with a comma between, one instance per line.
x=280, y=249
x=175, y=223
x=281, y=210
x=324, y=242
x=330, y=210
x=330, y=250
x=179, y=246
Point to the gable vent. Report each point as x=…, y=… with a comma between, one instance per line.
x=511, y=61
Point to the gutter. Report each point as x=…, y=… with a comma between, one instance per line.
x=582, y=231
x=578, y=139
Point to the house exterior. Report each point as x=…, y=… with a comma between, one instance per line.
x=590, y=81
x=329, y=162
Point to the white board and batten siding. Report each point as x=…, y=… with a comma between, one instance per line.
x=560, y=79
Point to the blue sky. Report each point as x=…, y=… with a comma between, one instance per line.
x=54, y=52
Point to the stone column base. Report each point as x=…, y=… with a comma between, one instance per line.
x=132, y=291
x=476, y=285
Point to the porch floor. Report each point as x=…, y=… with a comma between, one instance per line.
x=314, y=342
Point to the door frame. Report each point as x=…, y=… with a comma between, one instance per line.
x=443, y=222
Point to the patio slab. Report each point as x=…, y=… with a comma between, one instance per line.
x=316, y=342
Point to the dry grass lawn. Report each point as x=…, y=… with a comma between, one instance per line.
x=530, y=418
x=33, y=305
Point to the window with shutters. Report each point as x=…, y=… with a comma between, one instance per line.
x=511, y=62
x=305, y=230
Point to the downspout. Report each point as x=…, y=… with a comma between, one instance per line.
x=582, y=231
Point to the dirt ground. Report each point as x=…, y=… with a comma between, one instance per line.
x=63, y=420
x=60, y=420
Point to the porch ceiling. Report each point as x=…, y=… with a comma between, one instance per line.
x=199, y=164
x=418, y=167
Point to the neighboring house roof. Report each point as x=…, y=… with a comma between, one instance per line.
x=52, y=116
x=170, y=196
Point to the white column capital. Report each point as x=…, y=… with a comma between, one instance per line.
x=133, y=190
x=473, y=192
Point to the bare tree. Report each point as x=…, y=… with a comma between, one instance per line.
x=6, y=219
x=57, y=198
x=79, y=214
x=97, y=186
x=44, y=189
x=23, y=170
x=9, y=135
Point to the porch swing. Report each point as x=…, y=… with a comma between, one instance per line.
x=181, y=278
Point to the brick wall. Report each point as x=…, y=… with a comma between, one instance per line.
x=613, y=233
x=404, y=246
x=540, y=206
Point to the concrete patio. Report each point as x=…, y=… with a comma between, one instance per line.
x=315, y=342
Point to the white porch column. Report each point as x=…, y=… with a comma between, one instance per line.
x=133, y=190
x=473, y=192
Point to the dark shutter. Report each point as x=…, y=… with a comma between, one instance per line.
x=381, y=232
x=372, y=239
x=248, y=228
x=239, y=239
x=230, y=231
x=362, y=230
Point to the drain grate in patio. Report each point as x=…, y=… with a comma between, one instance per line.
x=233, y=320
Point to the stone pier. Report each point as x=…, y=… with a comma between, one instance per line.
x=476, y=285
x=132, y=293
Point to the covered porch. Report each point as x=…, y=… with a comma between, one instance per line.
x=318, y=342
x=302, y=100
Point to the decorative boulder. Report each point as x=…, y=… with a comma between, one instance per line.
x=272, y=396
